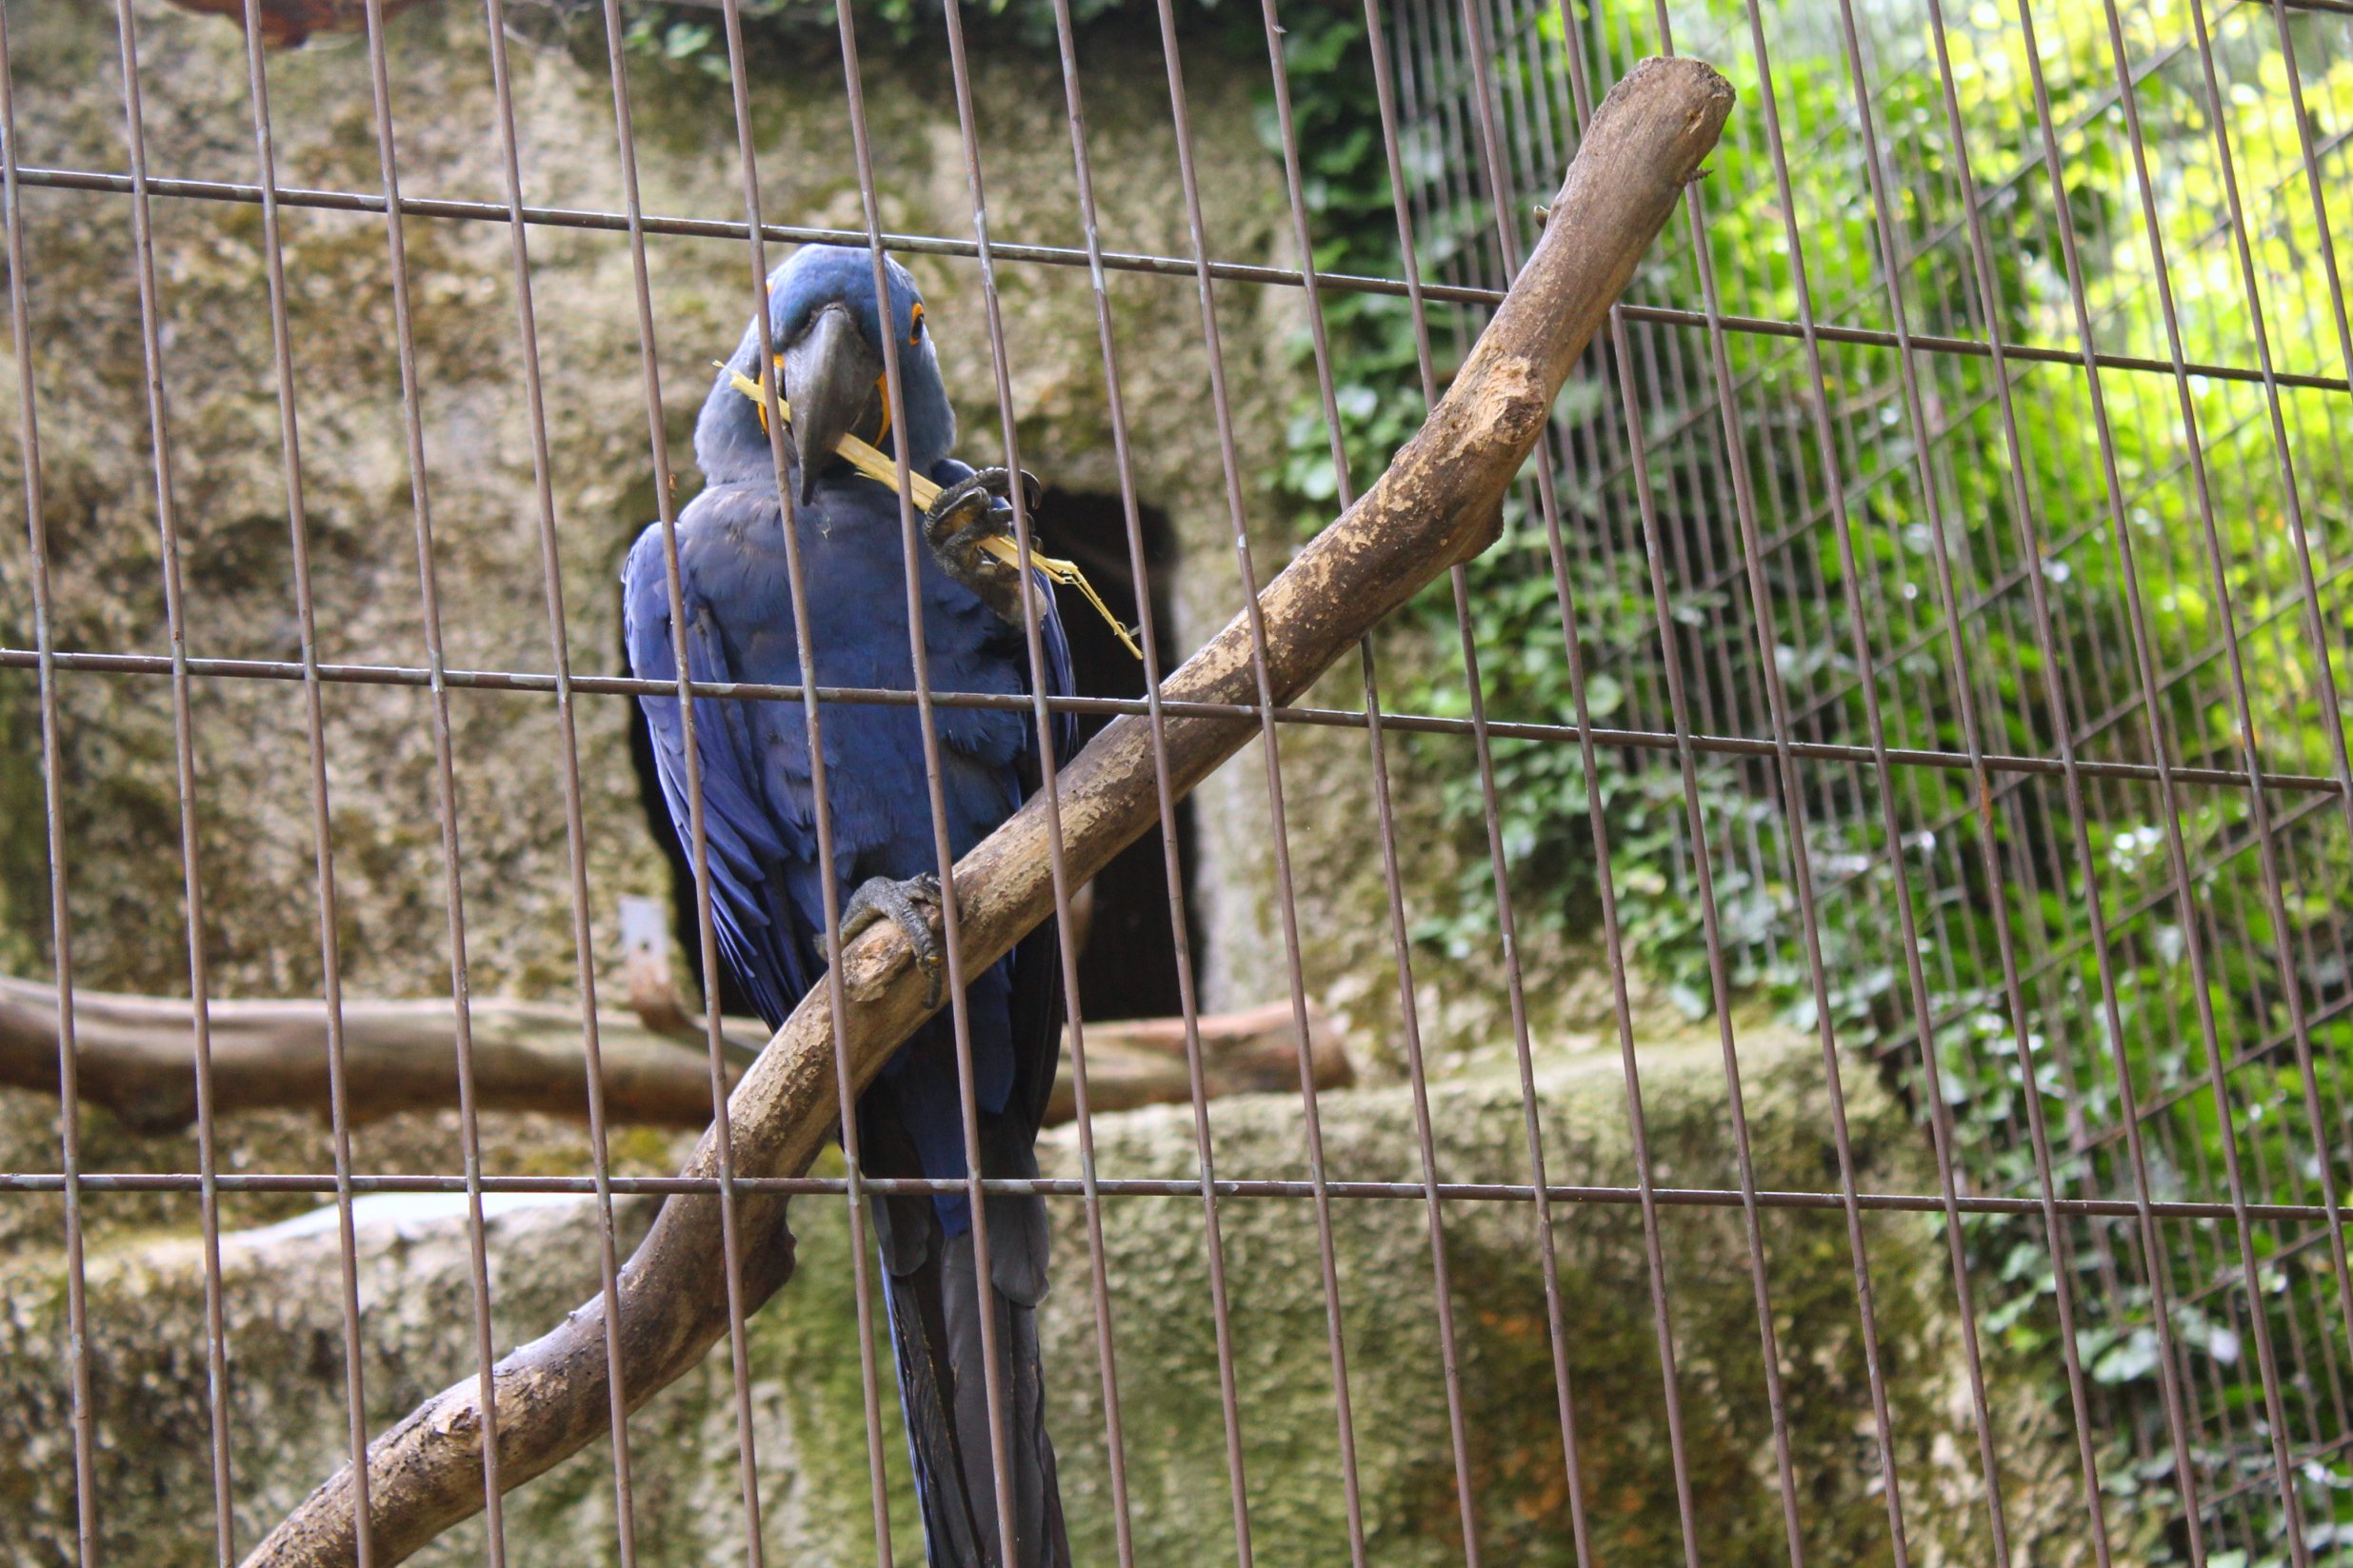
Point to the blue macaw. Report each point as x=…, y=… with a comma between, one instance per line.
x=766, y=896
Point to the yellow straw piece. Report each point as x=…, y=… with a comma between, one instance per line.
x=870, y=462
x=1068, y=574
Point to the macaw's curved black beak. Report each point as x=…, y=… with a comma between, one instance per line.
x=833, y=380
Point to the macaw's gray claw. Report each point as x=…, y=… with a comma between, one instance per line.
x=960, y=523
x=911, y=905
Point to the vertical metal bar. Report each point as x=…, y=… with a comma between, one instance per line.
x=1098, y=1277
x=912, y=546
x=315, y=731
x=1605, y=875
x=1172, y=867
x=2054, y=1230
x=1883, y=206
x=445, y=774
x=2176, y=1396
x=1801, y=857
x=2264, y=1353
x=2321, y=649
x=1711, y=920
x=698, y=847
x=1400, y=938
x=796, y=587
x=551, y=565
x=1353, y=1490
x=1345, y=496
x=183, y=765
x=1483, y=750
x=52, y=810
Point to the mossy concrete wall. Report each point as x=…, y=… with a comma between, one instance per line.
x=120, y=812
x=228, y=492
x=285, y=1337
x=121, y=808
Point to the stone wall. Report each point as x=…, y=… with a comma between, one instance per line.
x=121, y=819
x=228, y=492
x=285, y=1334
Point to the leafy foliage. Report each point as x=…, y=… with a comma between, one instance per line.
x=2196, y=549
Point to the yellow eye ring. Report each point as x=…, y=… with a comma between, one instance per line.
x=915, y=333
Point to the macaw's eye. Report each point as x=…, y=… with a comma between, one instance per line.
x=915, y=333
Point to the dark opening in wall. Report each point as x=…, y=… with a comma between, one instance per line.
x=1128, y=968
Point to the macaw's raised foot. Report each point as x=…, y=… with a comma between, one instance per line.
x=913, y=906
x=959, y=524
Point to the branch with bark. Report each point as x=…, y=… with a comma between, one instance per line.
x=136, y=1057
x=1438, y=504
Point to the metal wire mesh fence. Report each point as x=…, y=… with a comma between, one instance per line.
x=1924, y=619
x=2020, y=335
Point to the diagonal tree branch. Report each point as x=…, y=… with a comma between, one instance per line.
x=1438, y=504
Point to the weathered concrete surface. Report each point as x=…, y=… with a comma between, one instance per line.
x=121, y=808
x=124, y=872
x=287, y=1366
x=227, y=483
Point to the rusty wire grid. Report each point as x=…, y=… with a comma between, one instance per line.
x=1942, y=564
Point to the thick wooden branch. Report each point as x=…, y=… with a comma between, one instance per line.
x=136, y=1057
x=1133, y=1061
x=1438, y=504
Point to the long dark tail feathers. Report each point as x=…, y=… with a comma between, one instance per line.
x=916, y=1329
x=935, y=1326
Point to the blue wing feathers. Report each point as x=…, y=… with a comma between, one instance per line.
x=735, y=622
x=758, y=792
x=761, y=939
x=768, y=901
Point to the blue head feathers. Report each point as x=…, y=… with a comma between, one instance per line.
x=828, y=327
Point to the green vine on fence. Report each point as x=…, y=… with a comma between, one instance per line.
x=1987, y=1081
